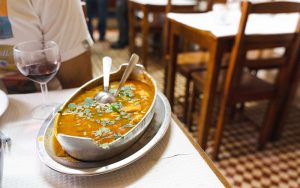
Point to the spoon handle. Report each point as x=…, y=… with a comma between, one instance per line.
x=106, y=71
x=132, y=62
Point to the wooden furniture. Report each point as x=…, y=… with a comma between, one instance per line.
x=241, y=86
x=161, y=163
x=209, y=31
x=288, y=98
x=146, y=7
x=188, y=61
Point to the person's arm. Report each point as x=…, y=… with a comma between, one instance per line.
x=64, y=22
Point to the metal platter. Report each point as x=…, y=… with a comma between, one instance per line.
x=67, y=165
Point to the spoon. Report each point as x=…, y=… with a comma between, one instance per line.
x=105, y=96
x=132, y=62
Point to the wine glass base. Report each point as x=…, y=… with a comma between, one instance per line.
x=42, y=112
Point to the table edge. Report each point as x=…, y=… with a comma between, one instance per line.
x=209, y=162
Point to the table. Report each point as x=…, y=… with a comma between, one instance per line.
x=146, y=7
x=215, y=31
x=176, y=161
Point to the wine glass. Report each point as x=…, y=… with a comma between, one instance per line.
x=39, y=61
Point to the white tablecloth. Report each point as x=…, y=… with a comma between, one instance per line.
x=224, y=22
x=174, y=162
x=164, y=2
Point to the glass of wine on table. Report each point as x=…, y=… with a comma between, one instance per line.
x=39, y=61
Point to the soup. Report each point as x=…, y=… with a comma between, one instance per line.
x=105, y=123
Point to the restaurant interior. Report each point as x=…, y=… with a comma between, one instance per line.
x=211, y=93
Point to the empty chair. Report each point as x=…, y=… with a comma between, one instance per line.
x=242, y=86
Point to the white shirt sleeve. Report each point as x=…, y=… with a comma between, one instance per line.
x=59, y=20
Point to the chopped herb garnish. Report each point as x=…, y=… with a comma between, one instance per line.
x=105, y=122
x=101, y=131
x=116, y=136
x=104, y=146
x=123, y=113
x=127, y=91
x=72, y=106
x=88, y=102
x=115, y=107
x=118, y=118
x=128, y=125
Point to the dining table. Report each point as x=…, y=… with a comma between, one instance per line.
x=176, y=160
x=147, y=7
x=215, y=31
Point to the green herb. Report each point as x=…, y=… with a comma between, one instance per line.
x=128, y=126
x=72, y=106
x=115, y=107
x=105, y=122
x=104, y=146
x=116, y=136
x=127, y=91
x=118, y=118
x=88, y=102
x=101, y=131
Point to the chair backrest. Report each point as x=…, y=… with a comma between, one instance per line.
x=193, y=8
x=184, y=9
x=245, y=43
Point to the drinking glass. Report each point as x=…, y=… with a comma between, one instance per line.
x=39, y=61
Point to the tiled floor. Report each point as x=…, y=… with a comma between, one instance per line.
x=277, y=166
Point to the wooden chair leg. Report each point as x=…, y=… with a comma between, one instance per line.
x=145, y=32
x=131, y=27
x=186, y=98
x=165, y=76
x=269, y=121
x=218, y=132
x=191, y=108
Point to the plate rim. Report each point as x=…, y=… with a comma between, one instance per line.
x=54, y=165
x=6, y=102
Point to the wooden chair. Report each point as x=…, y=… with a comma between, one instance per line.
x=187, y=61
x=241, y=86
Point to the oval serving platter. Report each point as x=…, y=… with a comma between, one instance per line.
x=67, y=165
x=86, y=149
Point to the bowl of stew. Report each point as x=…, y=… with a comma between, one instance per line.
x=112, y=127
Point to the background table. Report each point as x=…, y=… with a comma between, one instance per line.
x=174, y=162
x=215, y=31
x=146, y=7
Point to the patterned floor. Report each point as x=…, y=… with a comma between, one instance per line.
x=277, y=166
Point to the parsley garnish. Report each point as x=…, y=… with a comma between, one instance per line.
x=88, y=102
x=72, y=106
x=101, y=131
x=128, y=125
x=116, y=136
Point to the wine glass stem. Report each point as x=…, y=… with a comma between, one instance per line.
x=44, y=90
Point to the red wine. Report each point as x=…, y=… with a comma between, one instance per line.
x=40, y=72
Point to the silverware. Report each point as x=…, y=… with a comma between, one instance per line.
x=132, y=62
x=105, y=96
x=4, y=140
